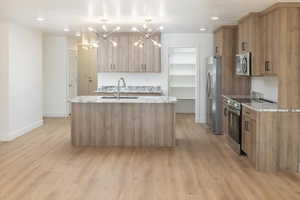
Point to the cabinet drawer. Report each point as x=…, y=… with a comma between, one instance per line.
x=249, y=113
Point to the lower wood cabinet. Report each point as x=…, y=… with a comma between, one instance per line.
x=271, y=140
x=225, y=119
x=249, y=137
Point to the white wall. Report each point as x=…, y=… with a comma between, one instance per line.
x=55, y=75
x=267, y=86
x=24, y=80
x=204, y=44
x=26, y=77
x=4, y=79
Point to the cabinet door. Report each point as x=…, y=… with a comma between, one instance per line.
x=152, y=56
x=105, y=56
x=120, y=53
x=242, y=35
x=249, y=138
x=218, y=40
x=136, y=54
x=225, y=120
x=270, y=45
x=246, y=135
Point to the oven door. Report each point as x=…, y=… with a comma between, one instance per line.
x=234, y=129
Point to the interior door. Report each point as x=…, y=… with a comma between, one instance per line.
x=83, y=62
x=72, y=76
x=92, y=73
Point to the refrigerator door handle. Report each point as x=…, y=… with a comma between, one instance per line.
x=208, y=85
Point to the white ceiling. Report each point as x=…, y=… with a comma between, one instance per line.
x=174, y=15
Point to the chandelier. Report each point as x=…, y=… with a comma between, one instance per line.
x=92, y=41
x=147, y=34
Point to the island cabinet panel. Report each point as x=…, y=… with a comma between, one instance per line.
x=123, y=124
x=126, y=57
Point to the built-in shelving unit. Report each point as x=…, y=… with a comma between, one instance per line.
x=182, y=78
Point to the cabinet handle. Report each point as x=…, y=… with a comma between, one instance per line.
x=246, y=125
x=217, y=50
x=145, y=66
x=225, y=112
x=243, y=46
x=267, y=66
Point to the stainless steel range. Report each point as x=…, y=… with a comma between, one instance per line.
x=233, y=112
x=234, y=116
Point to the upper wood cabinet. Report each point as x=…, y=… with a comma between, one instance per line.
x=270, y=46
x=281, y=50
x=225, y=43
x=120, y=54
x=128, y=58
x=218, y=41
x=249, y=40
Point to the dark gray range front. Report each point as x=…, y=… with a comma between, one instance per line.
x=233, y=112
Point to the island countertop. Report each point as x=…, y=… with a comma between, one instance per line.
x=139, y=99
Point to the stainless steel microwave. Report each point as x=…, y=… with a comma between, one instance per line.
x=243, y=64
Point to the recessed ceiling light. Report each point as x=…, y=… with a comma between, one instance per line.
x=91, y=29
x=40, y=19
x=161, y=28
x=134, y=29
x=66, y=29
x=78, y=34
x=203, y=29
x=214, y=18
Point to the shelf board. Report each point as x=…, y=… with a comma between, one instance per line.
x=182, y=86
x=182, y=63
x=183, y=74
x=178, y=98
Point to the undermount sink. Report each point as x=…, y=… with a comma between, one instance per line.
x=122, y=97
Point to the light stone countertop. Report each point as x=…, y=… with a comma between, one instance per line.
x=267, y=107
x=140, y=99
x=262, y=107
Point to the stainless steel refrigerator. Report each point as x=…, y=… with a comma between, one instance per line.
x=213, y=94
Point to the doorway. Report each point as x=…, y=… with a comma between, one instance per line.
x=182, y=67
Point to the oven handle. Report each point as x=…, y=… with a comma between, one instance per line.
x=237, y=112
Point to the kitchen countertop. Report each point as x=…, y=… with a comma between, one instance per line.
x=131, y=89
x=140, y=99
x=262, y=106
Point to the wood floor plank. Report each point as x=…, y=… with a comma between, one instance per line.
x=43, y=165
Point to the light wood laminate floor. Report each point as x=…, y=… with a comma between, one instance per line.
x=42, y=165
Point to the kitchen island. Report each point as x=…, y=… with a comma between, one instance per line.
x=128, y=121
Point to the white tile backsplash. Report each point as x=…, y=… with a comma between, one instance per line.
x=268, y=86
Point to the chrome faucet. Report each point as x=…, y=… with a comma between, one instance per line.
x=118, y=86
